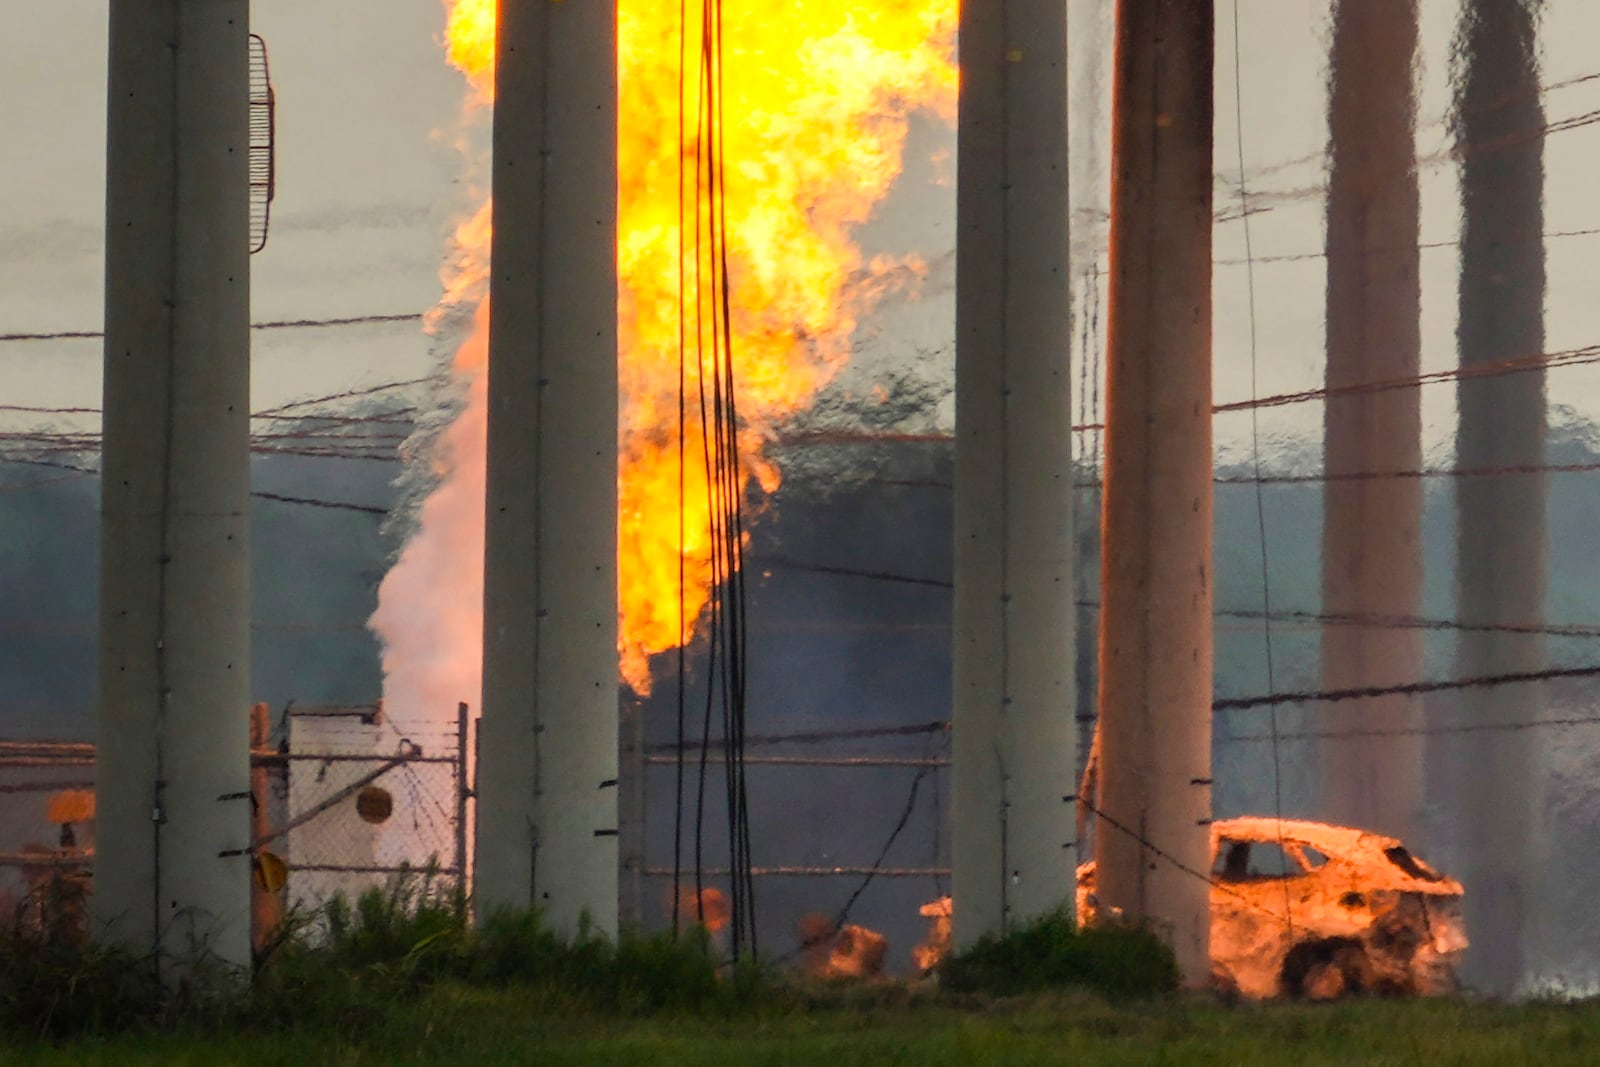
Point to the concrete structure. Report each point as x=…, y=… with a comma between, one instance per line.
x=1151, y=838
x=1014, y=732
x=173, y=777
x=1501, y=527
x=1372, y=526
x=547, y=769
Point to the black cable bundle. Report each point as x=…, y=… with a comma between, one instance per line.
x=708, y=300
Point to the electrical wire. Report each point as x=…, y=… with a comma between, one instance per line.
x=709, y=300
x=1255, y=449
x=279, y=324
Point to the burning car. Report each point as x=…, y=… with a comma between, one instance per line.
x=1306, y=909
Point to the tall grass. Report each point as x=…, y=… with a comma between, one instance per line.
x=55, y=983
x=1119, y=961
x=348, y=963
x=349, y=966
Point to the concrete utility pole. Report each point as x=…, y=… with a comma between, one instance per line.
x=1500, y=519
x=1152, y=839
x=547, y=797
x=1372, y=526
x=172, y=868
x=1014, y=731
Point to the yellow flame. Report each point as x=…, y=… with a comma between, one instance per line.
x=816, y=107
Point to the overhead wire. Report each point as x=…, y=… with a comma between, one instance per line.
x=1255, y=449
x=722, y=468
x=277, y=324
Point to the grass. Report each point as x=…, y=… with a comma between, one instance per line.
x=467, y=1026
x=399, y=977
x=1123, y=962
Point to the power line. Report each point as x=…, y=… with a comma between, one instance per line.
x=1255, y=448
x=1330, y=696
x=75, y=471
x=340, y=505
x=1299, y=257
x=1421, y=731
x=1580, y=356
x=1347, y=619
x=277, y=324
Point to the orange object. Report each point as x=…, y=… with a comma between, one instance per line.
x=70, y=806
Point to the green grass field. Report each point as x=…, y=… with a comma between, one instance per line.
x=460, y=1026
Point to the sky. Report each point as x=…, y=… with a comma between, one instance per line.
x=370, y=182
x=367, y=189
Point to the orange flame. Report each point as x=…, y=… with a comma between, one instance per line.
x=709, y=907
x=816, y=106
x=928, y=955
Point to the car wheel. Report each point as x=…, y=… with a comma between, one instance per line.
x=1325, y=970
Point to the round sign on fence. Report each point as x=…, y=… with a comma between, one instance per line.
x=374, y=804
x=272, y=874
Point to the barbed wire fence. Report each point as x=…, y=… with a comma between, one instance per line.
x=344, y=803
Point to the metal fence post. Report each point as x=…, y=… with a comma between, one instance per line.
x=268, y=806
x=463, y=794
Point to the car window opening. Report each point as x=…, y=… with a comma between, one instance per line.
x=1251, y=861
x=1310, y=857
x=1401, y=857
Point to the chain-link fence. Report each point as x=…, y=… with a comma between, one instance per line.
x=46, y=821
x=361, y=801
x=342, y=801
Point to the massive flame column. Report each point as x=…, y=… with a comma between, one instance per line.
x=1500, y=519
x=172, y=785
x=547, y=798
x=1152, y=839
x=1372, y=525
x=1014, y=730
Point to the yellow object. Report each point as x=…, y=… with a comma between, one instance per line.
x=271, y=873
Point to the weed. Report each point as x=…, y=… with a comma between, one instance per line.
x=54, y=984
x=1119, y=961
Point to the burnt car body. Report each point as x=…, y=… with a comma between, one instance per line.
x=1309, y=909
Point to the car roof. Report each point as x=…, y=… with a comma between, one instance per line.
x=1324, y=837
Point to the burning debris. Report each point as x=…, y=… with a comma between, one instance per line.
x=848, y=951
x=926, y=956
x=707, y=907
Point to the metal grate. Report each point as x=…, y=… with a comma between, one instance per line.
x=263, y=165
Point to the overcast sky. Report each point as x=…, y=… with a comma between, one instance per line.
x=369, y=185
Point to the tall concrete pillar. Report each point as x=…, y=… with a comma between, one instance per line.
x=172, y=869
x=1014, y=731
x=547, y=797
x=1152, y=840
x=1500, y=520
x=1372, y=527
